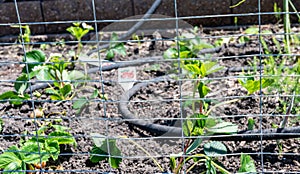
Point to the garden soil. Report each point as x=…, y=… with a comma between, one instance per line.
x=159, y=102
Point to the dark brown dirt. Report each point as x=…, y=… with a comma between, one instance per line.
x=159, y=102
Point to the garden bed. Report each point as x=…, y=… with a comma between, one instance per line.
x=159, y=102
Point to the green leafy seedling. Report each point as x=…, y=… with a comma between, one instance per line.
x=54, y=69
x=78, y=31
x=251, y=124
x=115, y=47
x=105, y=149
x=247, y=164
x=252, y=85
x=212, y=150
x=25, y=36
x=82, y=102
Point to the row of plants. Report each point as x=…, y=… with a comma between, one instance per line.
x=38, y=147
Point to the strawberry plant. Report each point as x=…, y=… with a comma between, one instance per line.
x=54, y=70
x=78, y=31
x=25, y=36
x=247, y=164
x=105, y=149
x=199, y=123
x=115, y=47
x=36, y=151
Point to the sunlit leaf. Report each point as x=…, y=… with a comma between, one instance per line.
x=214, y=148
x=224, y=127
x=247, y=164
x=21, y=84
x=170, y=53
x=202, y=90
x=33, y=58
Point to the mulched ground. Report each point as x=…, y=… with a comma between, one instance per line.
x=158, y=101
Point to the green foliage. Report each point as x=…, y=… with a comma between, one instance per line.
x=277, y=10
x=78, y=30
x=214, y=148
x=251, y=123
x=105, y=149
x=247, y=164
x=189, y=47
x=54, y=70
x=211, y=149
x=13, y=97
x=82, y=102
x=39, y=148
x=252, y=85
x=25, y=36
x=115, y=47
x=198, y=123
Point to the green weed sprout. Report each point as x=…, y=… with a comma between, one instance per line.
x=25, y=37
x=78, y=31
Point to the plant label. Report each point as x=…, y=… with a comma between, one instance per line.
x=126, y=77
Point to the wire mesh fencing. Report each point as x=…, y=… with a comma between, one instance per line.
x=177, y=87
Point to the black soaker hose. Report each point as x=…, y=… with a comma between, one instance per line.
x=250, y=135
x=161, y=129
x=133, y=29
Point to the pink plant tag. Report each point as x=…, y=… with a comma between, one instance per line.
x=126, y=77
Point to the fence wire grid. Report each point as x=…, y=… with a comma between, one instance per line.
x=165, y=90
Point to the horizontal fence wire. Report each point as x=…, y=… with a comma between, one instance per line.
x=179, y=100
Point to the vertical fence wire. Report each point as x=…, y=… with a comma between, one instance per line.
x=31, y=92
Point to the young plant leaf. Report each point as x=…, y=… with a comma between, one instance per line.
x=110, y=54
x=170, y=53
x=101, y=148
x=115, y=152
x=62, y=137
x=98, y=139
x=203, y=90
x=252, y=85
x=76, y=75
x=210, y=67
x=247, y=164
x=66, y=90
x=33, y=58
x=9, y=157
x=224, y=127
x=97, y=154
x=194, y=145
x=172, y=162
x=41, y=73
x=251, y=123
x=193, y=69
x=21, y=84
x=51, y=91
x=52, y=147
x=60, y=128
x=188, y=127
x=13, y=97
x=214, y=148
x=33, y=154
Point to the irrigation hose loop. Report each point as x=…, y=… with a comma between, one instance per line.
x=133, y=29
x=248, y=135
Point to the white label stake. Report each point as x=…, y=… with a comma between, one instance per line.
x=126, y=77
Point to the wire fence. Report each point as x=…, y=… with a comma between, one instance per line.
x=153, y=93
